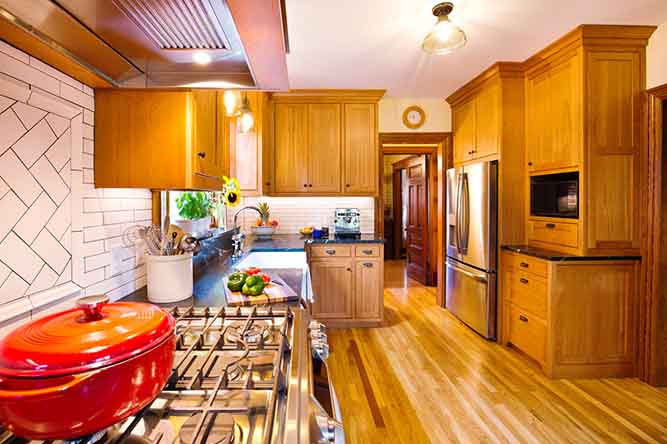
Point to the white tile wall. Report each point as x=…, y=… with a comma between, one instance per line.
x=59, y=236
x=292, y=213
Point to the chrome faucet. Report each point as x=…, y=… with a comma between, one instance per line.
x=239, y=238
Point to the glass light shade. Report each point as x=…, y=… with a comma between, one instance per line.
x=247, y=121
x=231, y=102
x=444, y=38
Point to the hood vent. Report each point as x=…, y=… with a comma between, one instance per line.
x=177, y=24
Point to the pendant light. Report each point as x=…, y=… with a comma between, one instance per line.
x=445, y=36
x=246, y=117
x=231, y=100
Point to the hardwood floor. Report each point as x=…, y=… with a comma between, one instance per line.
x=423, y=377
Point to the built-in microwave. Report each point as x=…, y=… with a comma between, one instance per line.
x=555, y=195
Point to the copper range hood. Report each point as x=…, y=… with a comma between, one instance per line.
x=151, y=43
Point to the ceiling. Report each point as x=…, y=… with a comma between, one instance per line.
x=376, y=43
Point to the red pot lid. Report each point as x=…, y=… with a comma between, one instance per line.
x=93, y=335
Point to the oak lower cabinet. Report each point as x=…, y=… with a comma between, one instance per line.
x=348, y=282
x=576, y=318
x=159, y=139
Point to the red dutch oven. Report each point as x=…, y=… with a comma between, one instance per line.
x=82, y=370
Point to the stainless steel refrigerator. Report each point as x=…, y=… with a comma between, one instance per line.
x=472, y=215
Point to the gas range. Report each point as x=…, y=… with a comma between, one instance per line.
x=244, y=375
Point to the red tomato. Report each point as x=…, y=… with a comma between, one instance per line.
x=251, y=271
x=265, y=277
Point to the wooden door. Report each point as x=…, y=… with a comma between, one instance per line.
x=487, y=121
x=368, y=283
x=360, y=149
x=464, y=131
x=332, y=288
x=291, y=148
x=207, y=158
x=565, y=114
x=538, y=128
x=417, y=226
x=324, y=145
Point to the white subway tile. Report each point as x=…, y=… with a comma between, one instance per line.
x=92, y=248
x=92, y=220
x=116, y=217
x=4, y=272
x=89, y=147
x=11, y=209
x=142, y=215
x=88, y=176
x=66, y=275
x=88, y=132
x=5, y=102
x=34, y=143
x=76, y=128
x=27, y=73
x=50, y=180
x=51, y=251
x=77, y=205
x=13, y=52
x=59, y=153
x=38, y=64
x=58, y=124
x=11, y=129
x=13, y=88
x=61, y=219
x=66, y=240
x=44, y=280
x=53, y=104
x=113, y=242
x=88, y=90
x=29, y=115
x=19, y=178
x=4, y=188
x=18, y=256
x=97, y=261
x=77, y=96
x=12, y=289
x=37, y=216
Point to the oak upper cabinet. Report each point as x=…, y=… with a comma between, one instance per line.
x=554, y=115
x=464, y=119
x=360, y=149
x=325, y=141
x=332, y=287
x=247, y=150
x=291, y=157
x=487, y=121
x=158, y=139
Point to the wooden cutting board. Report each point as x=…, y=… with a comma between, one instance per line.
x=276, y=291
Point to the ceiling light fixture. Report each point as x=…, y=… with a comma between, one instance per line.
x=201, y=58
x=445, y=36
x=247, y=118
x=231, y=100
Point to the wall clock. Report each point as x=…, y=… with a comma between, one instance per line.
x=414, y=117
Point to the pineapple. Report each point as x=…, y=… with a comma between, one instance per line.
x=264, y=213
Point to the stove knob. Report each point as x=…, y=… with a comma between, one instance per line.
x=314, y=325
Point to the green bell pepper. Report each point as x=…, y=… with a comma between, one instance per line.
x=236, y=280
x=253, y=286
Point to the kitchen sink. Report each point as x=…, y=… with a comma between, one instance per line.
x=274, y=259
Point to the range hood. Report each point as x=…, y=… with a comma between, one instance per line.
x=151, y=43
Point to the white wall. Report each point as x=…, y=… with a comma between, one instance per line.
x=59, y=236
x=438, y=114
x=656, y=58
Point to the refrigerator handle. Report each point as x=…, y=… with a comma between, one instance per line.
x=476, y=276
x=459, y=183
x=465, y=213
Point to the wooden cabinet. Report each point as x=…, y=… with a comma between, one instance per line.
x=360, y=149
x=158, y=139
x=576, y=318
x=464, y=119
x=325, y=142
x=583, y=114
x=247, y=151
x=348, y=284
x=291, y=145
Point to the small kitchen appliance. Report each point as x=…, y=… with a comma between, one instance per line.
x=555, y=195
x=347, y=222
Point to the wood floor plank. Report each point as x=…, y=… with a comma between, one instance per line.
x=424, y=377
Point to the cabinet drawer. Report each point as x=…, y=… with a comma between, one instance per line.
x=554, y=233
x=367, y=250
x=528, y=333
x=530, y=264
x=529, y=292
x=331, y=251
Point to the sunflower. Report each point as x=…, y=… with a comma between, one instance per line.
x=231, y=192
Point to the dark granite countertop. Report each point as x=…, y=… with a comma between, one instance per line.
x=370, y=238
x=558, y=256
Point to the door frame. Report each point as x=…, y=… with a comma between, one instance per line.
x=654, y=255
x=397, y=196
x=438, y=146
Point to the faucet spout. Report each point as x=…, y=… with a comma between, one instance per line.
x=243, y=209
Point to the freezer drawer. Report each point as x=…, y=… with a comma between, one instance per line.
x=471, y=297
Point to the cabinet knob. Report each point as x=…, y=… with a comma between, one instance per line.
x=347, y=185
x=367, y=252
x=348, y=269
x=530, y=164
x=310, y=185
x=202, y=154
x=550, y=226
x=268, y=184
x=305, y=185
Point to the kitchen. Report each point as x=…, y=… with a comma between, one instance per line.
x=193, y=206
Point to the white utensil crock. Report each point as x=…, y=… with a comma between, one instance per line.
x=169, y=278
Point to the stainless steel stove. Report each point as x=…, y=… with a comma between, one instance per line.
x=240, y=376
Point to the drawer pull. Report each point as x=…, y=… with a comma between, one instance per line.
x=368, y=264
x=523, y=280
x=367, y=252
x=522, y=318
x=523, y=265
x=550, y=226
x=330, y=252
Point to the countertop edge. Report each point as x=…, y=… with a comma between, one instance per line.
x=556, y=256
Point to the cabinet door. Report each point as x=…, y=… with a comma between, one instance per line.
x=360, y=152
x=487, y=121
x=290, y=151
x=464, y=131
x=324, y=134
x=538, y=125
x=332, y=288
x=246, y=149
x=565, y=114
x=207, y=157
x=368, y=289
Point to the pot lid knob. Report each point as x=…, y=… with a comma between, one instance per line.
x=92, y=306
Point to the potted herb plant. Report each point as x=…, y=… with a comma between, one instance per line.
x=193, y=207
